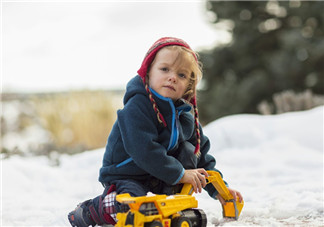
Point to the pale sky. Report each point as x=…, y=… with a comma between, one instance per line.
x=55, y=46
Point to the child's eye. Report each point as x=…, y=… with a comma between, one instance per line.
x=164, y=69
x=182, y=75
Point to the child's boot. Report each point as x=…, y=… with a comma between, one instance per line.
x=100, y=210
x=81, y=216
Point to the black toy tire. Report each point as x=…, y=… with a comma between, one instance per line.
x=153, y=224
x=181, y=222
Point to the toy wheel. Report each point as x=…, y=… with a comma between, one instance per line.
x=181, y=222
x=153, y=224
x=202, y=217
x=197, y=217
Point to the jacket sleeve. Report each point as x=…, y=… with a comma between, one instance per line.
x=139, y=132
x=207, y=162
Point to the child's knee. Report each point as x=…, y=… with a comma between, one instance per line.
x=133, y=187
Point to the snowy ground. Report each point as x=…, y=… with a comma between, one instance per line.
x=276, y=162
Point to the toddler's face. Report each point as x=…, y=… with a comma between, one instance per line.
x=169, y=74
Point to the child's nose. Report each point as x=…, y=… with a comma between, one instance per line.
x=173, y=77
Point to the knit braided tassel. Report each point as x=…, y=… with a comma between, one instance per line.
x=156, y=109
x=197, y=149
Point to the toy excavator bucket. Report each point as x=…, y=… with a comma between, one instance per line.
x=232, y=208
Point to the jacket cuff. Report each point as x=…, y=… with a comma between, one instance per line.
x=179, y=178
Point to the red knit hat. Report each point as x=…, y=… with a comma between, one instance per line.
x=142, y=72
x=150, y=55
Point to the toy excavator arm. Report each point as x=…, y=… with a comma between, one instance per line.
x=232, y=208
x=216, y=180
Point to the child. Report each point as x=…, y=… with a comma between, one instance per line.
x=156, y=144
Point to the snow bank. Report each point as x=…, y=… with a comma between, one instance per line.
x=276, y=162
x=249, y=130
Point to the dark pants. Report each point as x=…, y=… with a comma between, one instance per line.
x=133, y=187
x=137, y=188
x=141, y=188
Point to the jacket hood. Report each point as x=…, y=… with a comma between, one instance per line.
x=134, y=86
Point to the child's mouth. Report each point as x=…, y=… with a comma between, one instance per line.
x=170, y=87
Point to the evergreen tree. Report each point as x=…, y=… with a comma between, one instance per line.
x=276, y=46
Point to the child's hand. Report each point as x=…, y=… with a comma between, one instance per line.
x=195, y=177
x=234, y=193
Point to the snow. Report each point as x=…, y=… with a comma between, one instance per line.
x=275, y=161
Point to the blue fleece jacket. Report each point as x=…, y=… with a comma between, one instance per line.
x=138, y=147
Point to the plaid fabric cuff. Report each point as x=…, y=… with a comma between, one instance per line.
x=109, y=204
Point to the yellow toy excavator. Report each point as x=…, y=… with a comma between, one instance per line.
x=176, y=210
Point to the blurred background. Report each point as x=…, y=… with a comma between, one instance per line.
x=65, y=65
